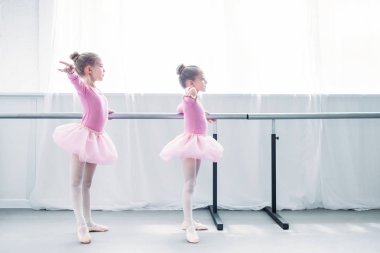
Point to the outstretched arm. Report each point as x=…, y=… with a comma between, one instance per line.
x=68, y=68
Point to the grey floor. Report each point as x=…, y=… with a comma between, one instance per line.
x=25, y=230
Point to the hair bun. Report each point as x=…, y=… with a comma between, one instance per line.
x=74, y=56
x=180, y=69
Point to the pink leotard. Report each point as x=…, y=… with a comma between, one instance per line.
x=194, y=116
x=95, y=105
x=194, y=142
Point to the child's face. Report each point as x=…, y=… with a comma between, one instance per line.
x=97, y=73
x=200, y=82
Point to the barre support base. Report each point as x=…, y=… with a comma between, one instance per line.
x=271, y=211
x=214, y=207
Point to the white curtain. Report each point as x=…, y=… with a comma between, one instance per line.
x=311, y=47
x=245, y=46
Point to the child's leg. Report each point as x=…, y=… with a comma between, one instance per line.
x=86, y=185
x=87, y=180
x=198, y=165
x=77, y=168
x=190, y=174
x=197, y=225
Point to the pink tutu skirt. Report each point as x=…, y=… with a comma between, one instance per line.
x=89, y=145
x=197, y=146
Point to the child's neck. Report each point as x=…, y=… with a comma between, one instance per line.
x=89, y=81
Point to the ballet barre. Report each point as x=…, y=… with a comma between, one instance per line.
x=272, y=211
x=213, y=209
x=77, y=115
x=224, y=116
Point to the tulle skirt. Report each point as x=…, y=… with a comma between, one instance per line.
x=188, y=145
x=89, y=145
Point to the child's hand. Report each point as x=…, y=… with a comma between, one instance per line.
x=209, y=120
x=110, y=112
x=69, y=68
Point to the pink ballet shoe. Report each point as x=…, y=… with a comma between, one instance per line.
x=97, y=228
x=198, y=226
x=83, y=235
x=191, y=235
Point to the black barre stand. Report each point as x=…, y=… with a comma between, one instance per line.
x=272, y=211
x=214, y=207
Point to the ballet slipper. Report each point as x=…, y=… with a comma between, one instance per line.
x=198, y=226
x=97, y=228
x=83, y=235
x=191, y=235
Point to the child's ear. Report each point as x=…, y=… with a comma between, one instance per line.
x=88, y=70
x=189, y=83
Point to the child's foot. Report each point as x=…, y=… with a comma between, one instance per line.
x=198, y=226
x=97, y=228
x=83, y=235
x=191, y=235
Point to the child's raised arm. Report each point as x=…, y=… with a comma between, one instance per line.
x=69, y=68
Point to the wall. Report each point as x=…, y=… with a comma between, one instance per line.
x=19, y=45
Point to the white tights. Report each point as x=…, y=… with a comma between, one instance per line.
x=81, y=178
x=190, y=172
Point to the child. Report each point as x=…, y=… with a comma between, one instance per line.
x=87, y=142
x=193, y=145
